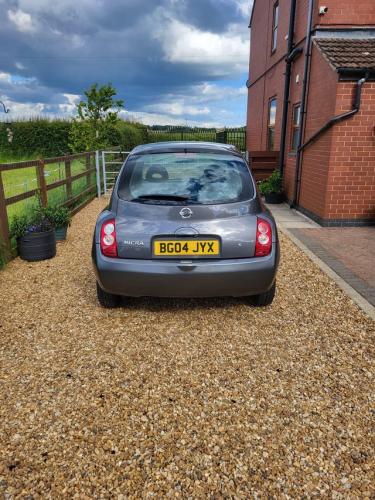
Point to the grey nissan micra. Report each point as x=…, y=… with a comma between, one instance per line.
x=185, y=220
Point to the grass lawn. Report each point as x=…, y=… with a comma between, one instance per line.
x=20, y=180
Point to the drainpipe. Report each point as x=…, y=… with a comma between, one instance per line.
x=339, y=118
x=306, y=78
x=288, y=70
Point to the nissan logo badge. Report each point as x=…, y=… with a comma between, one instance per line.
x=186, y=213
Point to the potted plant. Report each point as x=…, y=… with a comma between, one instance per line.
x=272, y=188
x=35, y=237
x=60, y=218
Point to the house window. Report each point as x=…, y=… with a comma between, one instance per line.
x=275, y=25
x=271, y=124
x=296, y=126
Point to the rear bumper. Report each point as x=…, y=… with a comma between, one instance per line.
x=158, y=278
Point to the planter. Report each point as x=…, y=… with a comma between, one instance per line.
x=274, y=198
x=37, y=246
x=61, y=233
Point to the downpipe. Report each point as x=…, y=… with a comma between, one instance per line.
x=291, y=55
x=327, y=126
x=306, y=82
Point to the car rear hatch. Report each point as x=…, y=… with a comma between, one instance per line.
x=186, y=204
x=229, y=230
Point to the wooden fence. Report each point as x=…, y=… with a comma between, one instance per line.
x=71, y=199
x=263, y=163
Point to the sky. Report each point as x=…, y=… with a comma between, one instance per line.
x=172, y=61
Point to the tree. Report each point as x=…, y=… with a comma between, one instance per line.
x=97, y=116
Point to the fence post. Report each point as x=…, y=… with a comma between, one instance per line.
x=104, y=174
x=68, y=175
x=42, y=183
x=4, y=226
x=88, y=166
x=97, y=165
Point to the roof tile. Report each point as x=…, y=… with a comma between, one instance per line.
x=348, y=53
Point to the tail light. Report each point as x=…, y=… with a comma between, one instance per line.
x=108, y=243
x=263, y=244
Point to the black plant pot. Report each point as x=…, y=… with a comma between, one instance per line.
x=61, y=233
x=274, y=198
x=37, y=246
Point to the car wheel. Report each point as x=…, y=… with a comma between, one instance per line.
x=264, y=299
x=107, y=300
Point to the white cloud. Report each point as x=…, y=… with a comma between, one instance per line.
x=22, y=110
x=76, y=41
x=209, y=92
x=5, y=77
x=178, y=108
x=225, y=53
x=162, y=119
x=195, y=101
x=69, y=107
x=244, y=6
x=22, y=20
x=19, y=65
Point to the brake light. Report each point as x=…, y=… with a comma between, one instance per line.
x=263, y=244
x=108, y=243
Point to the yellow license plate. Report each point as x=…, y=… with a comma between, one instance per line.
x=186, y=248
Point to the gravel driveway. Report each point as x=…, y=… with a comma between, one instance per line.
x=181, y=398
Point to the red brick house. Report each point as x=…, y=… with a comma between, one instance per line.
x=312, y=98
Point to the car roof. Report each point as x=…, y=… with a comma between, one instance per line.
x=185, y=146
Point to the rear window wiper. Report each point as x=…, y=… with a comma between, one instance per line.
x=161, y=197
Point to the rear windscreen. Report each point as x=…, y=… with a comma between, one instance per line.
x=203, y=178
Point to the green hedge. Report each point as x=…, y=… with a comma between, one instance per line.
x=48, y=138
x=131, y=135
x=42, y=137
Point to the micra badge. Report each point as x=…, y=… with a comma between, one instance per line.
x=134, y=243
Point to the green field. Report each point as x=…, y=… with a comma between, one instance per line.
x=20, y=180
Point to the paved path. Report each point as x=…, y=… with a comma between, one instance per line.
x=181, y=398
x=348, y=252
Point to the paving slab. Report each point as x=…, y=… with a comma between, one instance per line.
x=348, y=252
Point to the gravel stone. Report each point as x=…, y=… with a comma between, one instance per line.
x=181, y=398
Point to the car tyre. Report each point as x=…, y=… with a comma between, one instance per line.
x=264, y=299
x=107, y=300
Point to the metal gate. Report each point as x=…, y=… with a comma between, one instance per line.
x=108, y=166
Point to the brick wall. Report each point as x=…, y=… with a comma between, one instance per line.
x=351, y=180
x=347, y=13
x=340, y=13
x=320, y=108
x=261, y=60
x=338, y=180
x=264, y=89
x=294, y=98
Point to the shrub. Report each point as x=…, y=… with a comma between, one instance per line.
x=26, y=224
x=274, y=184
x=131, y=135
x=18, y=226
x=57, y=216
